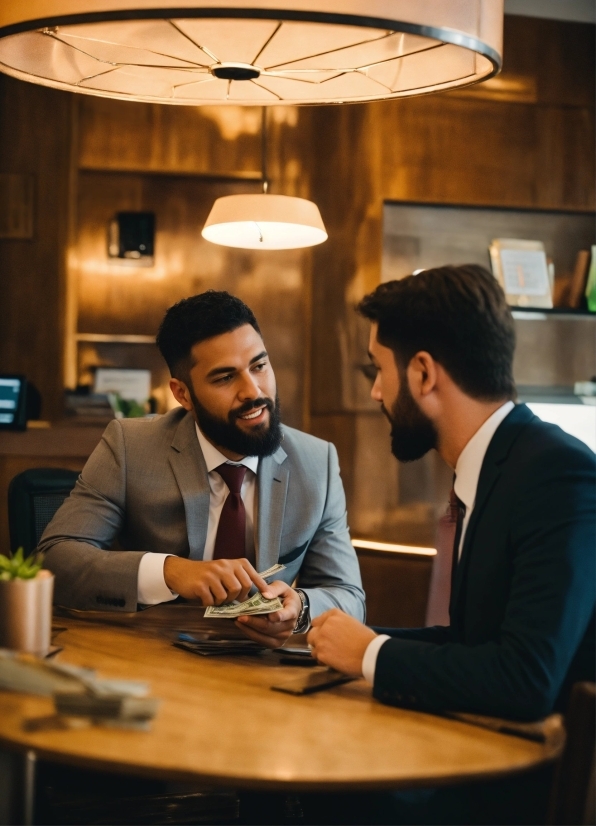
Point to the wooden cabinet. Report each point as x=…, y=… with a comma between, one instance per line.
x=65, y=446
x=396, y=585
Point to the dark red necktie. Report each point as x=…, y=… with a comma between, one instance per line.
x=445, y=562
x=230, y=540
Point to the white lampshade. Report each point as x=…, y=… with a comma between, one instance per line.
x=264, y=222
x=251, y=52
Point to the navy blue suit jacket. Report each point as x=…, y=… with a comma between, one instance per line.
x=522, y=607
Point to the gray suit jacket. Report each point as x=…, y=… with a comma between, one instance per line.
x=145, y=487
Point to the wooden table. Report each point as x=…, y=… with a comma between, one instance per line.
x=220, y=723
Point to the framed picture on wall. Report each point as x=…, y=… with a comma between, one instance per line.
x=521, y=268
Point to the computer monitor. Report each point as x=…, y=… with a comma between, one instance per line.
x=13, y=402
x=577, y=419
x=559, y=405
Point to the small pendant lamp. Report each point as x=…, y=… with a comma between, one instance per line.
x=263, y=221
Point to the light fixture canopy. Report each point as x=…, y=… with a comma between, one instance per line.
x=251, y=52
x=264, y=222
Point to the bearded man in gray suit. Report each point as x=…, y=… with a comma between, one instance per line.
x=202, y=498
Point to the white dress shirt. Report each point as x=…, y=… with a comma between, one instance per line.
x=151, y=585
x=467, y=473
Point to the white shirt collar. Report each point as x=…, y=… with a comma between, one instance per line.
x=469, y=464
x=213, y=458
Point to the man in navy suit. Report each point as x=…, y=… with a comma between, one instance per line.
x=521, y=627
x=517, y=560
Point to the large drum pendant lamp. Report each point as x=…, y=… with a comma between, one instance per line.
x=252, y=52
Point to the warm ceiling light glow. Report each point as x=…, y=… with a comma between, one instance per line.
x=264, y=222
x=251, y=52
x=392, y=547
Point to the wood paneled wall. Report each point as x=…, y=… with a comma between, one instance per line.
x=175, y=162
x=35, y=140
x=525, y=138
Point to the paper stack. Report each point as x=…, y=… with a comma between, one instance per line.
x=78, y=692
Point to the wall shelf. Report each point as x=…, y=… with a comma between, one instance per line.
x=248, y=176
x=541, y=313
x=108, y=338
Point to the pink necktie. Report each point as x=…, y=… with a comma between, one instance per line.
x=230, y=541
x=448, y=536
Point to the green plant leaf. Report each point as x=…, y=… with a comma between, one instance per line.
x=17, y=567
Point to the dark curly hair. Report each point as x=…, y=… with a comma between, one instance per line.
x=195, y=319
x=457, y=314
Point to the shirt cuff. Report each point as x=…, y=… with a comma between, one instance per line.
x=151, y=585
x=369, y=661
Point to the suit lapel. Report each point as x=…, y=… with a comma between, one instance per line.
x=497, y=452
x=189, y=468
x=273, y=477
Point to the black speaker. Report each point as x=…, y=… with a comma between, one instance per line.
x=132, y=236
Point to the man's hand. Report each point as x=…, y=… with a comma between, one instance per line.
x=274, y=629
x=339, y=641
x=215, y=582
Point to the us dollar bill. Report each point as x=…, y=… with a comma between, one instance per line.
x=272, y=571
x=256, y=604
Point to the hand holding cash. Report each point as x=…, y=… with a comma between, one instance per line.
x=257, y=604
x=273, y=629
x=212, y=582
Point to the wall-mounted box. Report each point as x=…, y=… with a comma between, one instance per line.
x=131, y=238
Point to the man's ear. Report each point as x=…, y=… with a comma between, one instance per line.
x=422, y=374
x=181, y=393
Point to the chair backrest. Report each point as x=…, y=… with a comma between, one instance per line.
x=573, y=793
x=34, y=496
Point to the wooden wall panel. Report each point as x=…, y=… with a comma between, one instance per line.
x=561, y=55
x=525, y=139
x=445, y=148
x=396, y=588
x=118, y=134
x=117, y=299
x=35, y=141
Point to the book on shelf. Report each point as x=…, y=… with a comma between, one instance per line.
x=521, y=268
x=591, y=283
x=579, y=278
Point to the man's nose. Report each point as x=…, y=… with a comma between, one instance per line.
x=375, y=392
x=249, y=387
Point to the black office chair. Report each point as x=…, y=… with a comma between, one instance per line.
x=34, y=496
x=81, y=796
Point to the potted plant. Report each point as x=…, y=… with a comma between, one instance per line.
x=26, y=592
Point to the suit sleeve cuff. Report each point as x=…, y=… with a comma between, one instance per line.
x=151, y=585
x=369, y=661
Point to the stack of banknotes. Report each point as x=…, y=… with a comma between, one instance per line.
x=256, y=604
x=209, y=642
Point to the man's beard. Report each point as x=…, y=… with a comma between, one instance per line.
x=225, y=432
x=412, y=433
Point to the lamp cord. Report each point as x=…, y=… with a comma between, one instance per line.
x=264, y=178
